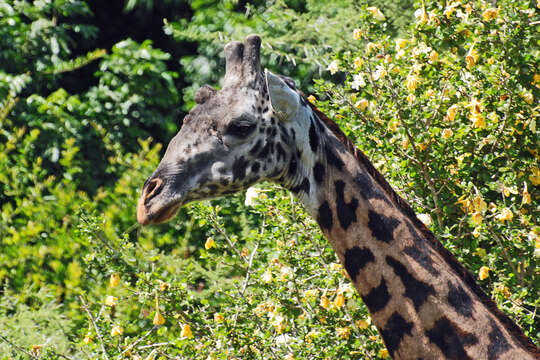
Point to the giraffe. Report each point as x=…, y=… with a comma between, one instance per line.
x=260, y=127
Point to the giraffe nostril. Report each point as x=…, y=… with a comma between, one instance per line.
x=153, y=188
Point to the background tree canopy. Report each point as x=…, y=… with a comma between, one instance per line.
x=442, y=96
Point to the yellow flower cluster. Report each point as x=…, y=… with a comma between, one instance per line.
x=490, y=13
x=483, y=273
x=505, y=215
x=412, y=81
x=343, y=332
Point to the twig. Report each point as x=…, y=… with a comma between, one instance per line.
x=222, y=231
x=98, y=333
x=6, y=340
x=506, y=256
x=139, y=340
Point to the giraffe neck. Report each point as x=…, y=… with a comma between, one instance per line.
x=423, y=302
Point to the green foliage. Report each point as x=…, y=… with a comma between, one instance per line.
x=299, y=38
x=448, y=114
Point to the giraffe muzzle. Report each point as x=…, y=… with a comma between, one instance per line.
x=148, y=213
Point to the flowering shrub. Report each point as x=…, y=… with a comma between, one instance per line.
x=447, y=113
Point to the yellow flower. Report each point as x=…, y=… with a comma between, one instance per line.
x=412, y=81
x=411, y=98
x=311, y=99
x=400, y=44
x=528, y=97
x=536, y=78
x=36, y=349
x=358, y=62
x=163, y=286
x=383, y=353
x=111, y=300
x=446, y=133
x=311, y=294
x=361, y=104
x=490, y=13
x=343, y=332
x=218, y=317
x=508, y=190
x=357, y=34
x=339, y=300
x=479, y=204
x=117, y=330
x=422, y=146
x=362, y=324
x=186, y=331
x=377, y=14
x=405, y=143
x=433, y=56
x=526, y=195
x=430, y=93
x=535, y=176
x=472, y=56
x=158, y=319
x=210, y=243
x=493, y=116
x=478, y=120
x=477, y=218
x=483, y=273
x=505, y=215
x=289, y=356
x=325, y=303
x=87, y=339
x=421, y=15
x=370, y=47
x=114, y=280
x=451, y=112
x=450, y=9
x=476, y=232
x=279, y=322
x=503, y=290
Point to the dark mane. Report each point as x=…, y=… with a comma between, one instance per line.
x=401, y=204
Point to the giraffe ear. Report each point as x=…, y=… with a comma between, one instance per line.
x=284, y=100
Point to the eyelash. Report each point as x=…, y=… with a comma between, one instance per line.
x=240, y=129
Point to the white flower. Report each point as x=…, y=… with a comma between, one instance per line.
x=377, y=14
x=333, y=67
x=358, y=81
x=379, y=73
x=283, y=339
x=252, y=194
x=425, y=218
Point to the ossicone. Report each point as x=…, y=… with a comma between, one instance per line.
x=243, y=60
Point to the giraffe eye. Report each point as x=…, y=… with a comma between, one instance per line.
x=241, y=128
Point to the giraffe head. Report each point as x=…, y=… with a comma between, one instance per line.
x=231, y=139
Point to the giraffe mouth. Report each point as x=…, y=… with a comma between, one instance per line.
x=165, y=213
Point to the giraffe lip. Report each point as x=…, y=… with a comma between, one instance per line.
x=163, y=214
